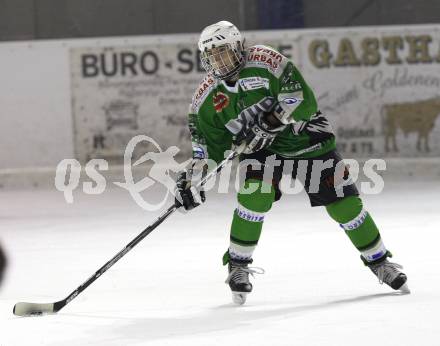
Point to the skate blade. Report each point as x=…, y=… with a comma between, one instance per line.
x=405, y=289
x=239, y=298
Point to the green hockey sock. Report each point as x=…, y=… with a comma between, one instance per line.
x=359, y=226
x=254, y=200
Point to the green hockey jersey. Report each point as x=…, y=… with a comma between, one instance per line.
x=266, y=73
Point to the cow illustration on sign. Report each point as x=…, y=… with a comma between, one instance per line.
x=418, y=117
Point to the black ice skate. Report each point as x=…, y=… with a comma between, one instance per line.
x=389, y=273
x=238, y=279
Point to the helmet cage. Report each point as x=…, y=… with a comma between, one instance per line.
x=223, y=61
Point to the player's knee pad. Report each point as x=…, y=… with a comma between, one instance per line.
x=256, y=195
x=346, y=209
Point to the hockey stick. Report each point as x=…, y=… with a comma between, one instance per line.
x=35, y=309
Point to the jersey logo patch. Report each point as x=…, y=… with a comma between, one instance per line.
x=259, y=59
x=221, y=101
x=290, y=100
x=260, y=55
x=201, y=93
x=206, y=84
x=253, y=83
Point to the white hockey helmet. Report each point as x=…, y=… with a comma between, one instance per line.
x=221, y=48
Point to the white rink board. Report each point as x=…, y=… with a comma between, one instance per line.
x=378, y=84
x=50, y=112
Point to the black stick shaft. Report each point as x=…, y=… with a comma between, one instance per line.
x=59, y=305
x=62, y=303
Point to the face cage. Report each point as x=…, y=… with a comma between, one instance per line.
x=223, y=61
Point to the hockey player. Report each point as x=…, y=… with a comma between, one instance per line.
x=2, y=264
x=256, y=98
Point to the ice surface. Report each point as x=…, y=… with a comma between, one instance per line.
x=170, y=289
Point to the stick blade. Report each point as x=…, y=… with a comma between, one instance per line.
x=33, y=309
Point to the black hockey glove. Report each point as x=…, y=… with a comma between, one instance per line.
x=186, y=193
x=255, y=127
x=259, y=133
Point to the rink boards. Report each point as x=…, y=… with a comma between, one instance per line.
x=87, y=98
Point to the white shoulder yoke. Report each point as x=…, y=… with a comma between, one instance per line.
x=205, y=87
x=261, y=56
